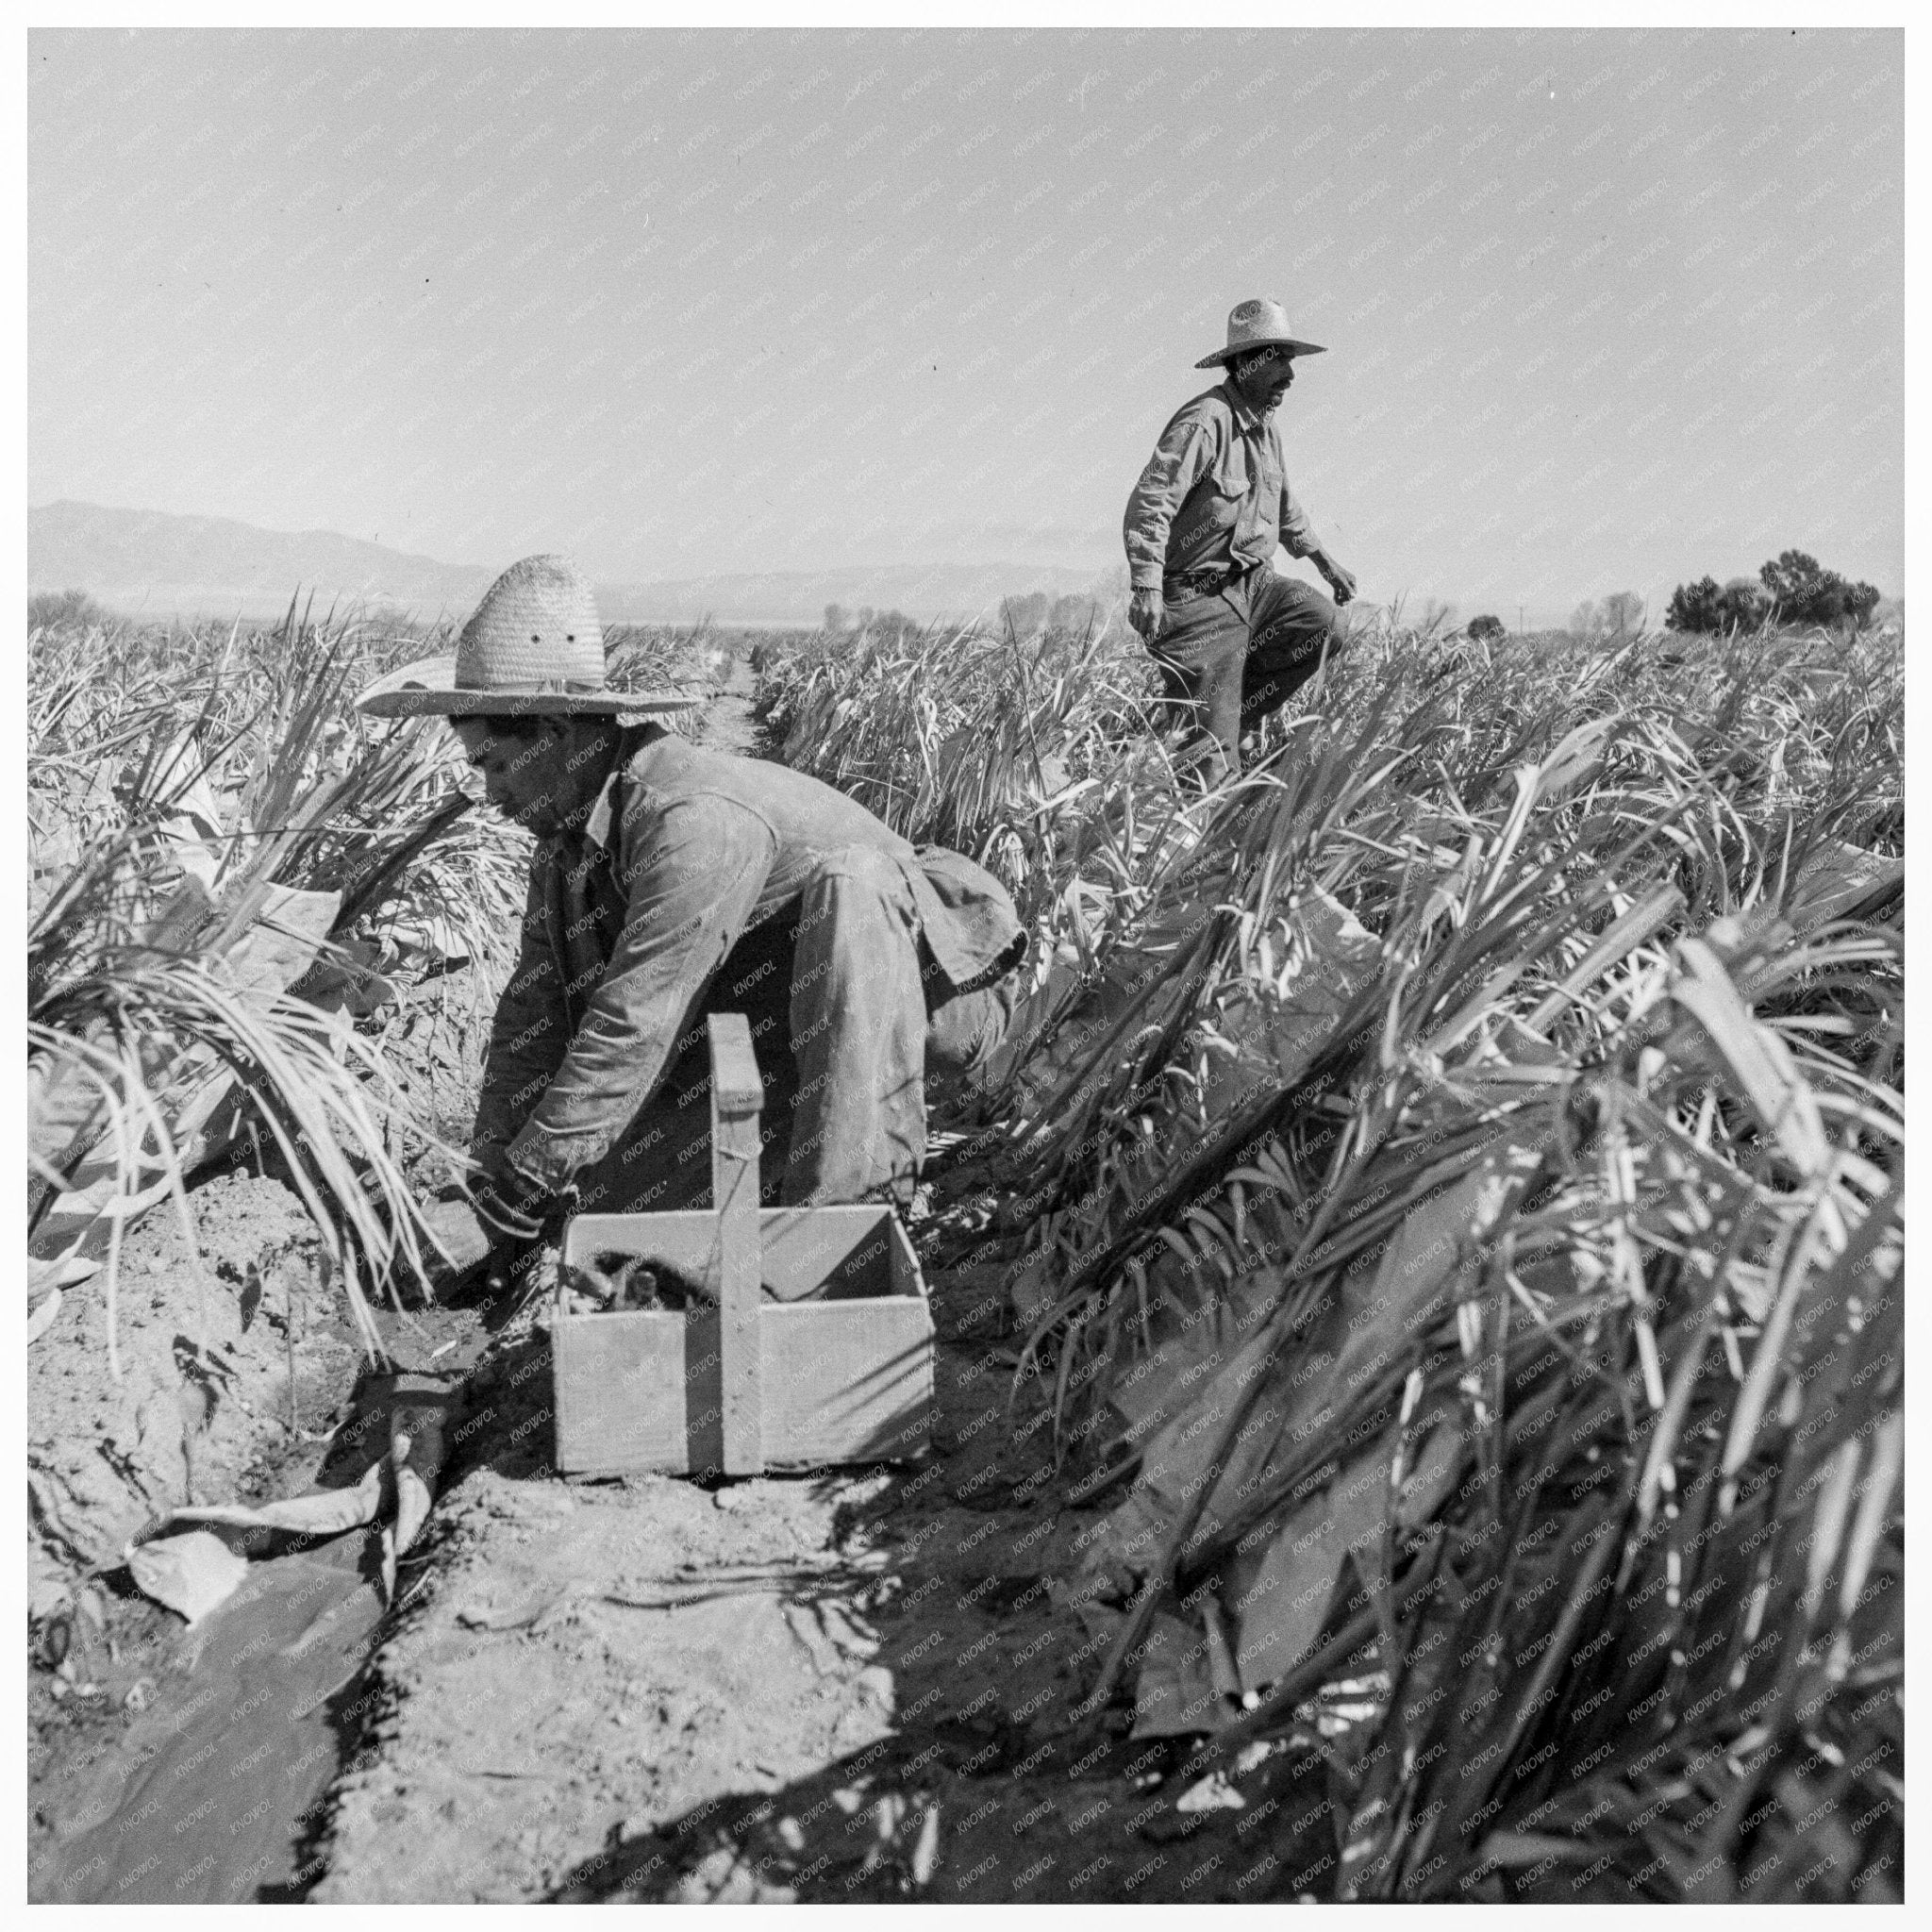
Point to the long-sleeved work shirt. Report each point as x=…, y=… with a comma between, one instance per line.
x=1214, y=496
x=629, y=917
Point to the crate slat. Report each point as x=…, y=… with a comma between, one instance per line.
x=736, y=1094
x=636, y=1390
x=847, y=1381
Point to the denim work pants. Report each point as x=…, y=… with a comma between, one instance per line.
x=1230, y=658
x=848, y=1014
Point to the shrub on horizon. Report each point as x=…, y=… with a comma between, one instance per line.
x=69, y=609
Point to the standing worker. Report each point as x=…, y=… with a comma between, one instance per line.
x=1233, y=638
x=668, y=882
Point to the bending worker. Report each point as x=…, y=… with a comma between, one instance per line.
x=1233, y=639
x=668, y=882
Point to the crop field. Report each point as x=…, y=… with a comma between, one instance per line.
x=1487, y=1121
x=1445, y=1186
x=196, y=792
x=261, y=929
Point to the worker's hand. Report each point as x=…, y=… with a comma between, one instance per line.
x=463, y=1235
x=1339, y=580
x=489, y=1161
x=1146, y=612
x=511, y=1204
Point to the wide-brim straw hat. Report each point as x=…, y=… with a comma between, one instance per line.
x=534, y=648
x=1259, y=324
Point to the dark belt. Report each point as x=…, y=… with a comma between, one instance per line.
x=1202, y=583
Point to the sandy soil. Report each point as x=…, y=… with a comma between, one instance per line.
x=727, y=723
x=855, y=1685
x=225, y=1353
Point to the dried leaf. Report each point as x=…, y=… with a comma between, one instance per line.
x=327, y=1512
x=192, y=1574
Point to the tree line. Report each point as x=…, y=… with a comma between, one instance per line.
x=1026, y=616
x=1791, y=589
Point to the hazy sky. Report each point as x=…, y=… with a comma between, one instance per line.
x=1603, y=310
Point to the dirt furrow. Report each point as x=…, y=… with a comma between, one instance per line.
x=854, y=1684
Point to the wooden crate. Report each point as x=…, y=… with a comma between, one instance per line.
x=819, y=1348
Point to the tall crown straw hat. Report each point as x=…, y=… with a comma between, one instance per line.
x=534, y=648
x=1259, y=324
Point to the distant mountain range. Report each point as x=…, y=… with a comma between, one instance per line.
x=144, y=562
x=150, y=563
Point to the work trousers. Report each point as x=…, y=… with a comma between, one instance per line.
x=848, y=1014
x=1228, y=657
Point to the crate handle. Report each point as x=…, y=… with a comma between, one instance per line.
x=737, y=1086
x=737, y=1096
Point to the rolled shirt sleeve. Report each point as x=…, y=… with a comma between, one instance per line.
x=1180, y=458
x=692, y=883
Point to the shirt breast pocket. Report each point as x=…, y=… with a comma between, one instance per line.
x=1210, y=518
